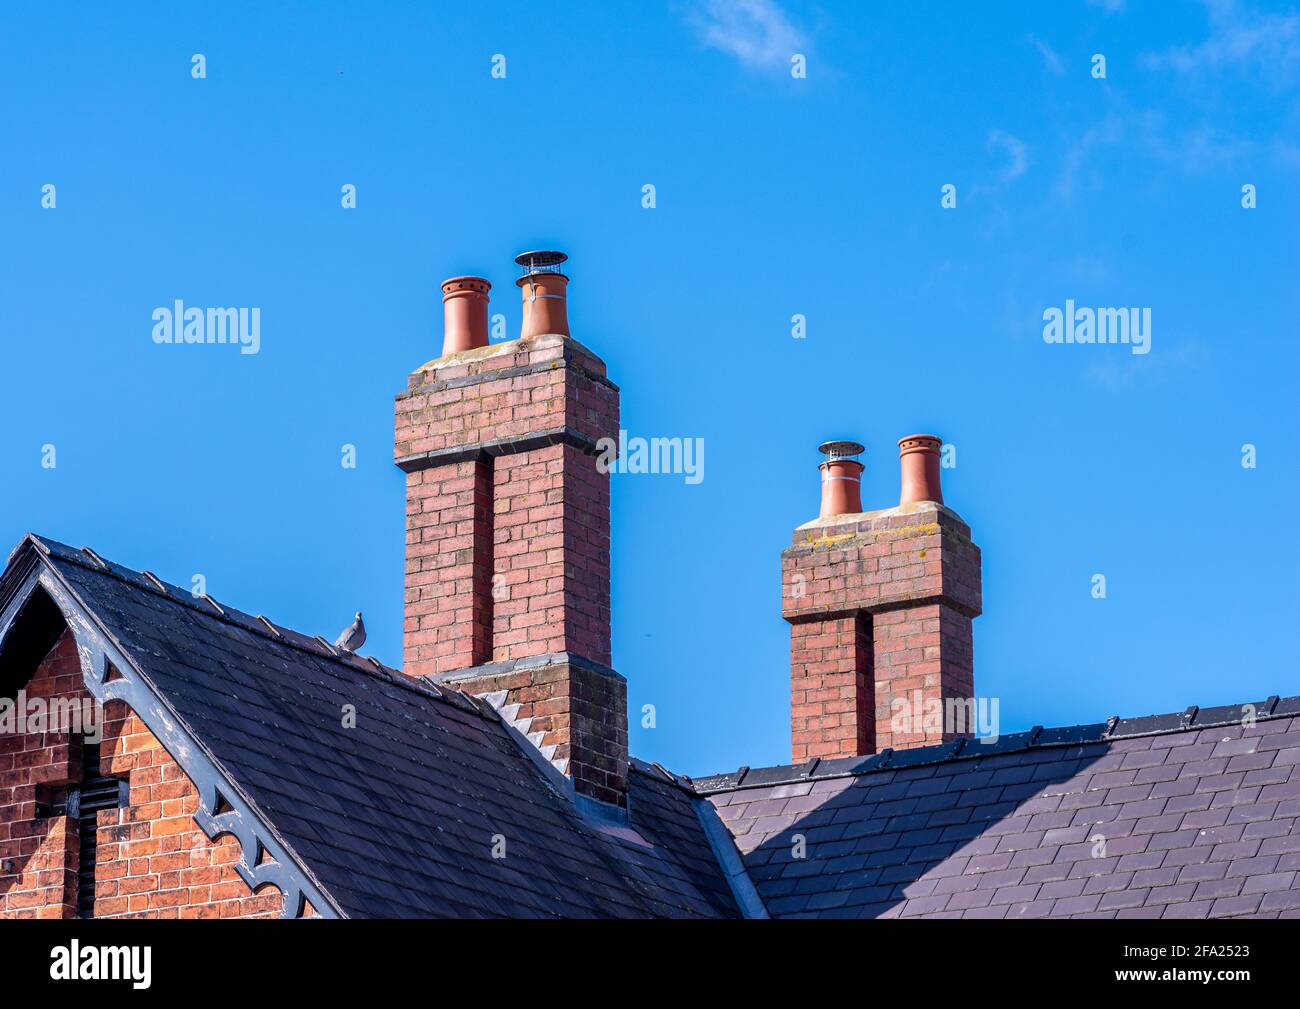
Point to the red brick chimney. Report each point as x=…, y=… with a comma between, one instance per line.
x=507, y=526
x=880, y=605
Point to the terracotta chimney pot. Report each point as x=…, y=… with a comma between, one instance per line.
x=465, y=314
x=841, y=478
x=918, y=456
x=545, y=291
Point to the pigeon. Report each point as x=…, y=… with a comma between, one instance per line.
x=354, y=637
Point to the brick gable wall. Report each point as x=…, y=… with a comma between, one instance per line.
x=153, y=859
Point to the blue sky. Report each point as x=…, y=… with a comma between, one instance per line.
x=775, y=196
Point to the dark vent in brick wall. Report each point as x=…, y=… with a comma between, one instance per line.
x=96, y=792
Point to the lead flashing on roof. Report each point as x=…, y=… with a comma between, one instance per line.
x=592, y=810
x=728, y=858
x=660, y=773
x=602, y=812
x=528, y=662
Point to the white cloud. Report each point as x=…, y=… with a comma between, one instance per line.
x=1050, y=57
x=1109, y=6
x=756, y=32
x=1127, y=134
x=1201, y=146
x=1016, y=151
x=1120, y=372
x=1241, y=40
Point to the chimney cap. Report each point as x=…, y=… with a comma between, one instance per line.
x=466, y=283
x=920, y=443
x=541, y=261
x=835, y=450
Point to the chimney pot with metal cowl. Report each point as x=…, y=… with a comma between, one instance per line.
x=465, y=314
x=841, y=478
x=545, y=294
x=880, y=605
x=507, y=545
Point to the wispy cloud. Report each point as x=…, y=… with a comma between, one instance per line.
x=1201, y=146
x=1241, y=40
x=756, y=32
x=1085, y=268
x=1088, y=154
x=1051, y=59
x=1016, y=152
x=1121, y=372
x=1109, y=6
x=1077, y=165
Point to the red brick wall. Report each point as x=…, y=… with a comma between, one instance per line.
x=920, y=653
x=551, y=555
x=546, y=537
x=153, y=860
x=910, y=577
x=832, y=712
x=582, y=713
x=448, y=614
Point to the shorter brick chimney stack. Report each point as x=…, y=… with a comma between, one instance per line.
x=918, y=456
x=465, y=314
x=880, y=605
x=841, y=478
x=545, y=291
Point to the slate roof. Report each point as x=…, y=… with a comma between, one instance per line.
x=396, y=817
x=1190, y=815
x=1193, y=814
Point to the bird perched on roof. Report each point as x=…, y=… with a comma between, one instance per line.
x=354, y=637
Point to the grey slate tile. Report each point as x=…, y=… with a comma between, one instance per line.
x=395, y=817
x=1189, y=909
x=1197, y=823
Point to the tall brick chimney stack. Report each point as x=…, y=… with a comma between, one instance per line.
x=507, y=527
x=880, y=605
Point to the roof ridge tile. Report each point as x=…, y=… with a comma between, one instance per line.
x=1190, y=719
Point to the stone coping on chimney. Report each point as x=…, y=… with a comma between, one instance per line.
x=878, y=517
x=836, y=528
x=502, y=360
